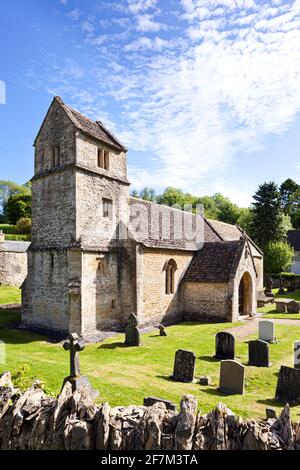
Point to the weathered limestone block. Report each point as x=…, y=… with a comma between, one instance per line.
x=185, y=427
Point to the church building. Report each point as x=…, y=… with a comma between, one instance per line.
x=97, y=254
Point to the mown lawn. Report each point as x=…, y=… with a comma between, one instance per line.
x=10, y=295
x=269, y=311
x=125, y=375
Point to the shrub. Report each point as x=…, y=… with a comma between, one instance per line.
x=7, y=228
x=23, y=226
x=278, y=257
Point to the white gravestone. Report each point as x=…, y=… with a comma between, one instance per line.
x=266, y=330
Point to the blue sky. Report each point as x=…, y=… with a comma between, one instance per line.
x=205, y=93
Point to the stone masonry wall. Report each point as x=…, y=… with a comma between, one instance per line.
x=13, y=268
x=72, y=421
x=91, y=227
x=205, y=301
x=45, y=302
x=157, y=306
x=108, y=289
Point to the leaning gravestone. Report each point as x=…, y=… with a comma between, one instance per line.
x=184, y=366
x=297, y=354
x=132, y=334
x=259, y=353
x=232, y=377
x=225, y=345
x=293, y=307
x=288, y=386
x=267, y=331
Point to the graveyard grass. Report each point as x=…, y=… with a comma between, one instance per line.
x=125, y=375
x=269, y=311
x=10, y=295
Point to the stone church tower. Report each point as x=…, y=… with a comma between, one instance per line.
x=79, y=205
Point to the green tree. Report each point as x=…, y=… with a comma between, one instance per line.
x=288, y=190
x=7, y=189
x=147, y=194
x=245, y=220
x=267, y=215
x=17, y=206
x=278, y=257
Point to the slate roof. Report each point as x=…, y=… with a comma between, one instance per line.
x=293, y=238
x=94, y=129
x=228, y=232
x=215, y=262
x=14, y=247
x=149, y=226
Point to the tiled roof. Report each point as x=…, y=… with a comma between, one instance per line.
x=293, y=238
x=215, y=262
x=14, y=247
x=94, y=129
x=228, y=232
x=159, y=226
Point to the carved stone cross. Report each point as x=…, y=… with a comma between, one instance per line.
x=74, y=347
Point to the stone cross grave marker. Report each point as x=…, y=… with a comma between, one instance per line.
x=267, y=331
x=225, y=345
x=297, y=354
x=293, y=307
x=232, y=377
x=184, y=366
x=76, y=380
x=288, y=386
x=74, y=346
x=259, y=353
x=132, y=334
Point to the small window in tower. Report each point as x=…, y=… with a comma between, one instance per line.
x=106, y=160
x=57, y=156
x=52, y=260
x=100, y=158
x=53, y=163
x=107, y=208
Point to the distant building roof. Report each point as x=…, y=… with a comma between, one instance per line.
x=293, y=238
x=215, y=262
x=14, y=247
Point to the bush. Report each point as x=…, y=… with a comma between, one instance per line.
x=23, y=226
x=7, y=228
x=278, y=257
x=18, y=238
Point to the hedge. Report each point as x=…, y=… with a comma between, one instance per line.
x=9, y=229
x=285, y=276
x=19, y=238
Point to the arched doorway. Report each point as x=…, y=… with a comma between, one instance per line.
x=245, y=294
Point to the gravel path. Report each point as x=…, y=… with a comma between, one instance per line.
x=250, y=326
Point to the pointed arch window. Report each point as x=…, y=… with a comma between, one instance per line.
x=170, y=269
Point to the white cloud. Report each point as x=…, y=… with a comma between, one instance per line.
x=137, y=6
x=146, y=23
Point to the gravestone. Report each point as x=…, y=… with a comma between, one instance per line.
x=267, y=331
x=281, y=290
x=281, y=305
x=205, y=380
x=184, y=366
x=288, y=386
x=225, y=345
x=77, y=380
x=232, y=377
x=259, y=353
x=162, y=331
x=297, y=354
x=269, y=287
x=132, y=334
x=293, y=307
x=150, y=401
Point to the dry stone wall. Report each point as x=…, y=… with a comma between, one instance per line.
x=13, y=268
x=72, y=421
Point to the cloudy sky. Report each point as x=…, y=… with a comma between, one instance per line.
x=205, y=93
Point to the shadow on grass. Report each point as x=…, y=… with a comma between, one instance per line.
x=209, y=358
x=114, y=345
x=168, y=378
